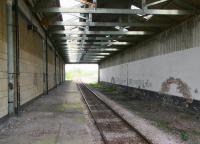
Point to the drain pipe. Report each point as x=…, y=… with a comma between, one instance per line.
x=17, y=55
x=44, y=65
x=58, y=69
x=62, y=71
x=59, y=72
x=98, y=73
x=46, y=56
x=64, y=74
x=55, y=68
x=10, y=54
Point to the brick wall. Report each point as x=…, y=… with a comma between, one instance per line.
x=51, y=68
x=31, y=63
x=57, y=70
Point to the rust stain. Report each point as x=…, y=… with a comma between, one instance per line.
x=182, y=88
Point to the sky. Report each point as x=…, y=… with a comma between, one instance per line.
x=88, y=67
x=87, y=73
x=68, y=3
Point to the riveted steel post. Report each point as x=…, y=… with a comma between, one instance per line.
x=10, y=55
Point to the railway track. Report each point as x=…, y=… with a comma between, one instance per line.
x=113, y=129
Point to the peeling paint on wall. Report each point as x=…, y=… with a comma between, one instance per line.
x=182, y=88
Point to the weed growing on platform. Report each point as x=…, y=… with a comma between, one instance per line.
x=184, y=135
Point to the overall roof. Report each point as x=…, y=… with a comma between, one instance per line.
x=91, y=30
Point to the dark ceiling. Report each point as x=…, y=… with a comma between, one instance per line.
x=111, y=33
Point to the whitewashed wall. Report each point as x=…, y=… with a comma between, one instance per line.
x=153, y=73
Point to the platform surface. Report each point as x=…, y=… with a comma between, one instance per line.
x=57, y=118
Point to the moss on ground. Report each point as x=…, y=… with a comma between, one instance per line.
x=80, y=119
x=163, y=125
x=69, y=106
x=107, y=89
x=46, y=140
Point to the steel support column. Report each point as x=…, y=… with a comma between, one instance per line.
x=55, y=67
x=17, y=57
x=59, y=72
x=98, y=73
x=10, y=54
x=46, y=56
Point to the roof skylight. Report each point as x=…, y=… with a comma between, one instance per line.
x=146, y=17
x=73, y=57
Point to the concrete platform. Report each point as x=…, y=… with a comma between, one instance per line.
x=54, y=119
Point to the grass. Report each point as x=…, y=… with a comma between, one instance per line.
x=105, y=88
x=73, y=106
x=162, y=125
x=96, y=85
x=184, y=135
x=186, y=116
x=110, y=89
x=46, y=140
x=148, y=109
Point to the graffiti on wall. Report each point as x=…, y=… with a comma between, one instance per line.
x=140, y=83
x=131, y=82
x=117, y=80
x=182, y=88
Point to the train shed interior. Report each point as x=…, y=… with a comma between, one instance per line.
x=146, y=56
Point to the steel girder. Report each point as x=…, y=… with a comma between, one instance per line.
x=119, y=11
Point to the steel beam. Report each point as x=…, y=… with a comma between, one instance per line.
x=88, y=62
x=93, y=59
x=154, y=3
x=79, y=16
x=103, y=32
x=95, y=43
x=94, y=56
x=108, y=24
x=91, y=47
x=91, y=54
x=97, y=54
x=100, y=50
x=95, y=38
x=119, y=11
x=92, y=50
